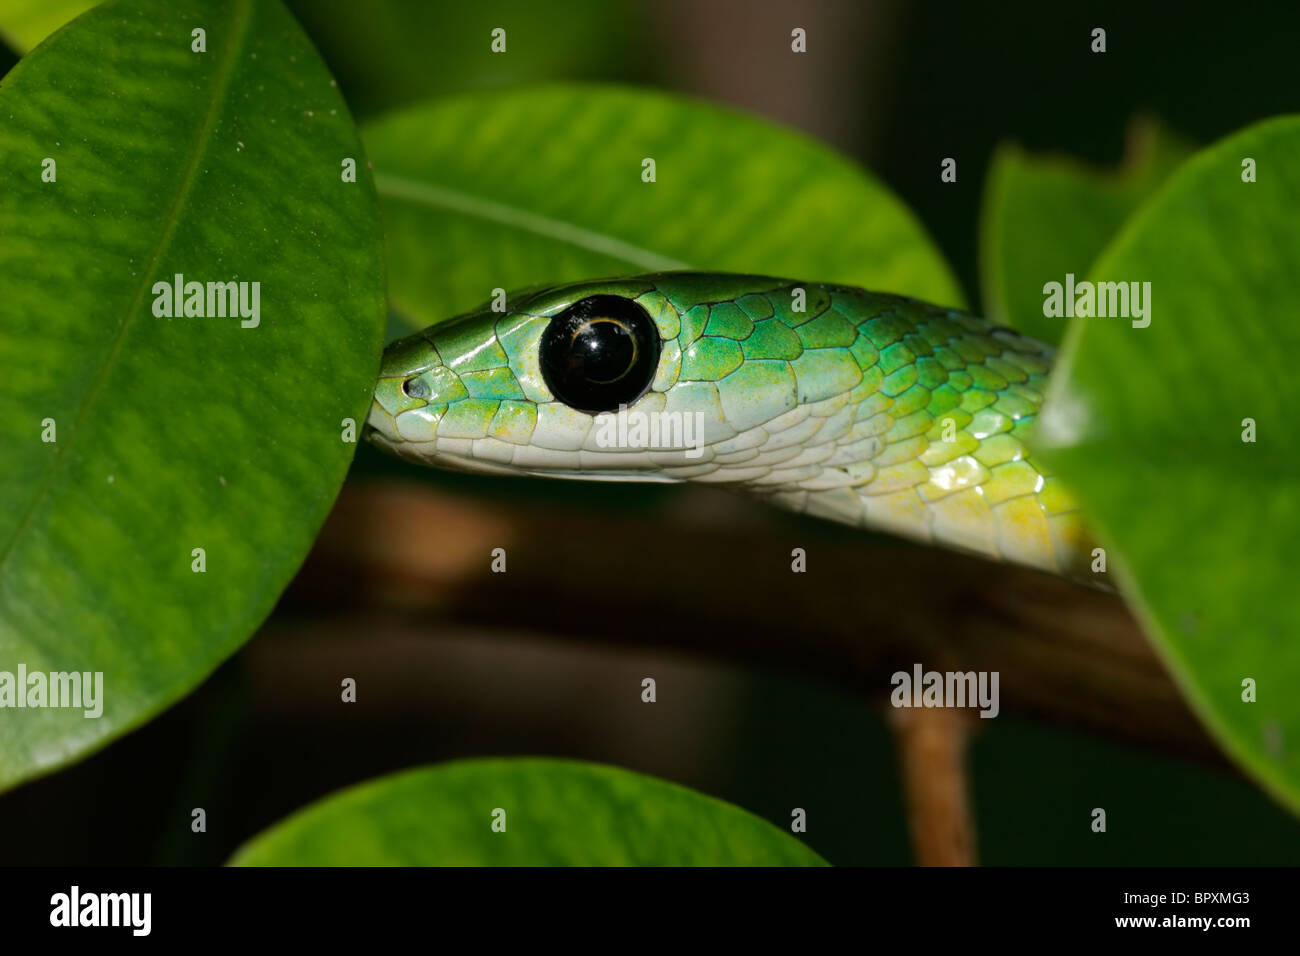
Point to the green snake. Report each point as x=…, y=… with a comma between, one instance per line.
x=873, y=410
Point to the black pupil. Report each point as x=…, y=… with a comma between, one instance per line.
x=602, y=350
x=600, y=353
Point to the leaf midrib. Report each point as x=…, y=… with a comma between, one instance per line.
x=560, y=230
x=220, y=85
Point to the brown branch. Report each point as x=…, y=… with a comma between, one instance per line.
x=713, y=576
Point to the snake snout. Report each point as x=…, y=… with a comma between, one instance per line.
x=411, y=394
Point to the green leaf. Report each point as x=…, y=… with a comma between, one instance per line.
x=556, y=813
x=1045, y=216
x=1146, y=425
x=25, y=23
x=387, y=53
x=506, y=190
x=171, y=434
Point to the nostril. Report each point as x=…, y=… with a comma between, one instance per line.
x=415, y=387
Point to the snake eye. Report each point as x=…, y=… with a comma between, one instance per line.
x=600, y=353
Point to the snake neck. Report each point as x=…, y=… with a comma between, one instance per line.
x=930, y=443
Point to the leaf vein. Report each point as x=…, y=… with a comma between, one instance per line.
x=221, y=82
x=441, y=197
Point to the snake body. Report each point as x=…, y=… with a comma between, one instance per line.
x=869, y=409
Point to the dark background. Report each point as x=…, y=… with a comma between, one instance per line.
x=899, y=86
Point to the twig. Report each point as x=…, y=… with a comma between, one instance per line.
x=932, y=751
x=866, y=607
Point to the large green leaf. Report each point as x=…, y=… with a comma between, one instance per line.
x=1045, y=216
x=1146, y=424
x=555, y=813
x=172, y=434
x=511, y=189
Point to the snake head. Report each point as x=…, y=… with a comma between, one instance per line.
x=631, y=379
x=864, y=408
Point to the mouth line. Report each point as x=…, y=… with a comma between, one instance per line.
x=421, y=453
